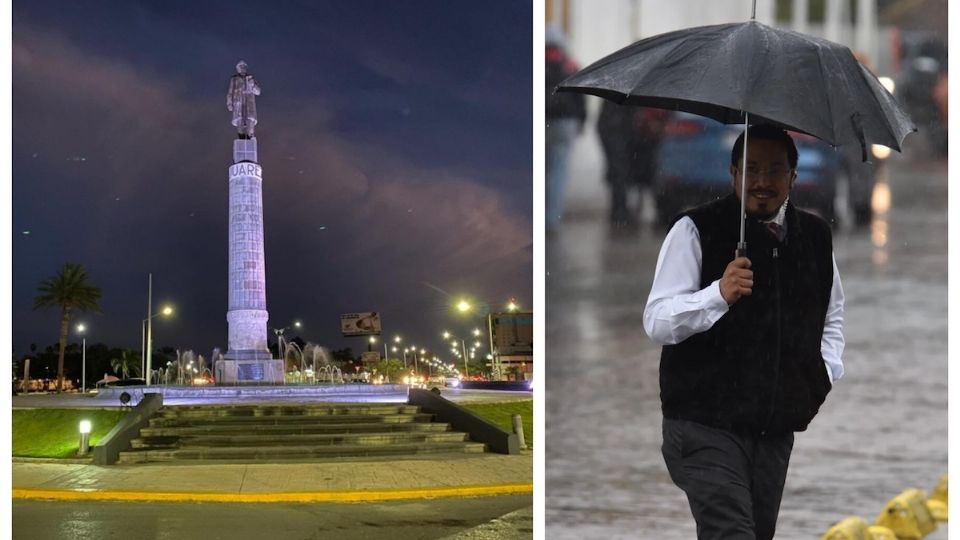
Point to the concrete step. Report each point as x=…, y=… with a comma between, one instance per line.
x=285, y=410
x=346, y=439
x=293, y=429
x=289, y=420
x=272, y=454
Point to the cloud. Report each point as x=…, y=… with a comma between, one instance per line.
x=163, y=151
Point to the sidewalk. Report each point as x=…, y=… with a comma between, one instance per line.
x=332, y=481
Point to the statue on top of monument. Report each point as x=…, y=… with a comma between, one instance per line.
x=241, y=101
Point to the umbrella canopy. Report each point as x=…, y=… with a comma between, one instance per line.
x=779, y=77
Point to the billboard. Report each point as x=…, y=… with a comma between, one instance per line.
x=512, y=333
x=370, y=357
x=360, y=324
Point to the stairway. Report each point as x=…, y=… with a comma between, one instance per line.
x=277, y=433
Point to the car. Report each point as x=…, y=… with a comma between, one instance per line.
x=921, y=85
x=694, y=168
x=126, y=382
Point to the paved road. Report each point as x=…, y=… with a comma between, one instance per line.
x=883, y=428
x=414, y=520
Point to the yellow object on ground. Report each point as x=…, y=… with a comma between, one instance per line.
x=907, y=516
x=876, y=532
x=851, y=528
x=940, y=492
x=938, y=510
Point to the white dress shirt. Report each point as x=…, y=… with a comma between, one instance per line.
x=677, y=308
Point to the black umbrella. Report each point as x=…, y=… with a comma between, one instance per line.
x=751, y=72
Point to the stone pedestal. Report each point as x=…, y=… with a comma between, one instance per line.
x=248, y=358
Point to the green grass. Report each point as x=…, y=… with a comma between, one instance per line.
x=54, y=433
x=502, y=414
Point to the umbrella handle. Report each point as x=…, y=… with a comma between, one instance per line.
x=741, y=249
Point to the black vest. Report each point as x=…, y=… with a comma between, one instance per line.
x=759, y=368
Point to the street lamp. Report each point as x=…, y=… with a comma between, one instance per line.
x=463, y=345
x=166, y=311
x=281, y=350
x=83, y=377
x=370, y=342
x=512, y=306
x=145, y=350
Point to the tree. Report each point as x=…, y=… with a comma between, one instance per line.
x=126, y=363
x=391, y=369
x=72, y=291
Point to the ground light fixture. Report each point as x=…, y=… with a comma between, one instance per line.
x=84, y=438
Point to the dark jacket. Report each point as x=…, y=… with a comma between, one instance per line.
x=759, y=368
x=558, y=66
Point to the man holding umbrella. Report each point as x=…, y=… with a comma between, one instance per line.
x=751, y=342
x=746, y=299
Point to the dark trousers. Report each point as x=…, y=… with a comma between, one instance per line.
x=733, y=482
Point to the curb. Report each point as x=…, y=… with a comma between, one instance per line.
x=275, y=497
x=54, y=461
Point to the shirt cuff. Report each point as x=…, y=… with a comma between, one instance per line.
x=715, y=301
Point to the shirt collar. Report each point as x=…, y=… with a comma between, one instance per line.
x=780, y=218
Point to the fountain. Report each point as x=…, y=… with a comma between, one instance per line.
x=330, y=372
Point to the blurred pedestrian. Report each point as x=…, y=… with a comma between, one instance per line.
x=630, y=137
x=565, y=114
x=752, y=342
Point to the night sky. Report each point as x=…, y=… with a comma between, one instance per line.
x=395, y=140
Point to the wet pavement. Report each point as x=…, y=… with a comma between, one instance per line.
x=450, y=519
x=440, y=496
x=883, y=428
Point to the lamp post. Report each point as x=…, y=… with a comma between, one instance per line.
x=281, y=354
x=83, y=376
x=146, y=367
x=463, y=345
x=464, y=306
x=281, y=349
x=149, y=327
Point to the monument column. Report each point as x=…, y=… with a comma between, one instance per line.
x=248, y=358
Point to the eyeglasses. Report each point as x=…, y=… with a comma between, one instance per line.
x=773, y=173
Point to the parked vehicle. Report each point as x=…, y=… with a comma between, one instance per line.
x=921, y=85
x=695, y=168
x=126, y=382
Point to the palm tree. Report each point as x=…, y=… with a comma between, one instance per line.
x=71, y=290
x=128, y=362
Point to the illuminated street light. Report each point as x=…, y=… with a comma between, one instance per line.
x=512, y=306
x=463, y=306
x=167, y=311
x=476, y=332
x=83, y=377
